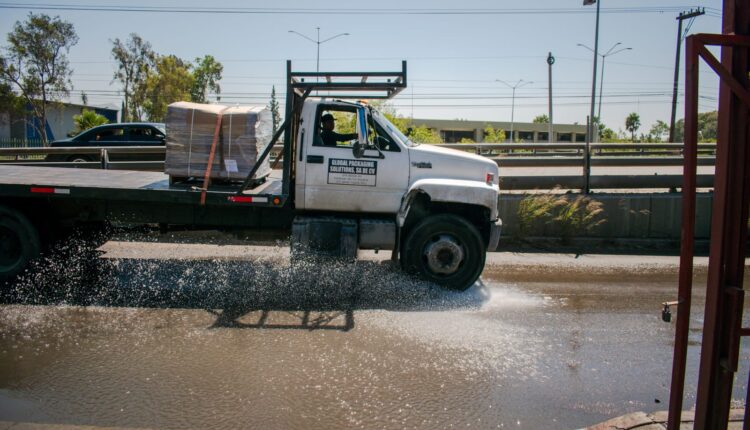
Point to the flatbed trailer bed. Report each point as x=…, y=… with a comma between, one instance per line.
x=146, y=197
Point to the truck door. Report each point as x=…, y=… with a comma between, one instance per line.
x=340, y=177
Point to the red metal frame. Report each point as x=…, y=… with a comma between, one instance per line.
x=725, y=296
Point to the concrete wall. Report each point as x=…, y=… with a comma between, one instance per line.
x=629, y=216
x=60, y=121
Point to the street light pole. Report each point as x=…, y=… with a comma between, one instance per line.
x=519, y=84
x=318, y=42
x=604, y=56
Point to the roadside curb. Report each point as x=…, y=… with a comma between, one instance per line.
x=11, y=425
x=658, y=421
x=561, y=267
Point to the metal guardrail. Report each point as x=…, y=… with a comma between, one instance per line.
x=37, y=157
x=541, y=155
x=556, y=147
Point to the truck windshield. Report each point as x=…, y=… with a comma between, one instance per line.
x=392, y=129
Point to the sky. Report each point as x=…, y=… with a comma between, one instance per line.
x=457, y=52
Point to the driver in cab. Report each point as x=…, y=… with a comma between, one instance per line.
x=330, y=137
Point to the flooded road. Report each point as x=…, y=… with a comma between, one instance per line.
x=222, y=344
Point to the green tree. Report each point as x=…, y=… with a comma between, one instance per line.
x=466, y=140
x=708, y=123
x=607, y=135
x=134, y=59
x=169, y=82
x=707, y=127
x=35, y=64
x=423, y=134
x=632, y=124
x=492, y=135
x=659, y=130
x=388, y=111
x=541, y=119
x=274, y=107
x=86, y=120
x=346, y=122
x=679, y=130
x=206, y=76
x=10, y=102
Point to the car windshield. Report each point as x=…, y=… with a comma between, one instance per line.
x=162, y=128
x=392, y=129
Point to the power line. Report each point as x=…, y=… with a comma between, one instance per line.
x=337, y=11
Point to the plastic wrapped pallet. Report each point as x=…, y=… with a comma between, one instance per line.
x=245, y=133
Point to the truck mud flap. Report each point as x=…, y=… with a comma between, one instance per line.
x=324, y=236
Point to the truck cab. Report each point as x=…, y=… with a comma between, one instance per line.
x=435, y=207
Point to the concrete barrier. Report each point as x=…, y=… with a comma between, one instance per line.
x=628, y=216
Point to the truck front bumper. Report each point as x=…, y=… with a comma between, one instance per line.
x=495, y=230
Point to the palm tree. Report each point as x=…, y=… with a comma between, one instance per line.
x=632, y=124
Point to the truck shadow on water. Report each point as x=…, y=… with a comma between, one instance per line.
x=310, y=294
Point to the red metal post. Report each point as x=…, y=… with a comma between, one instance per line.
x=688, y=236
x=723, y=315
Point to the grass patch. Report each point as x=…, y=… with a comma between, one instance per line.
x=558, y=215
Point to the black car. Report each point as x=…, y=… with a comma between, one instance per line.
x=123, y=134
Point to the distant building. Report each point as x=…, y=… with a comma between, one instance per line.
x=455, y=130
x=59, y=122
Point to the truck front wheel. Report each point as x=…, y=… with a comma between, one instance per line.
x=19, y=243
x=444, y=249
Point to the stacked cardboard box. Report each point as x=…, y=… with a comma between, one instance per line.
x=244, y=134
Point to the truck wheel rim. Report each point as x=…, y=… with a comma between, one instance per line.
x=443, y=255
x=10, y=248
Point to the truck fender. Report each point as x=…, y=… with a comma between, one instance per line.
x=451, y=191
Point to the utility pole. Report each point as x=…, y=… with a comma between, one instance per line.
x=550, y=62
x=691, y=14
x=590, y=120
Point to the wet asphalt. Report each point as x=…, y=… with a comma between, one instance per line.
x=144, y=338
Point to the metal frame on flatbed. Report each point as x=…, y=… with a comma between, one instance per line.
x=338, y=85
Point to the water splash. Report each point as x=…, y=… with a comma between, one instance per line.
x=74, y=273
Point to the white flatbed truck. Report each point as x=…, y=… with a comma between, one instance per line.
x=436, y=209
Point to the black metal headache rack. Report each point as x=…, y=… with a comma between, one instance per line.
x=339, y=85
x=349, y=85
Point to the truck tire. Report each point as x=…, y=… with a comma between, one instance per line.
x=79, y=159
x=19, y=243
x=444, y=249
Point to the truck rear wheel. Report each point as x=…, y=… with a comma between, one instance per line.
x=444, y=249
x=19, y=243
